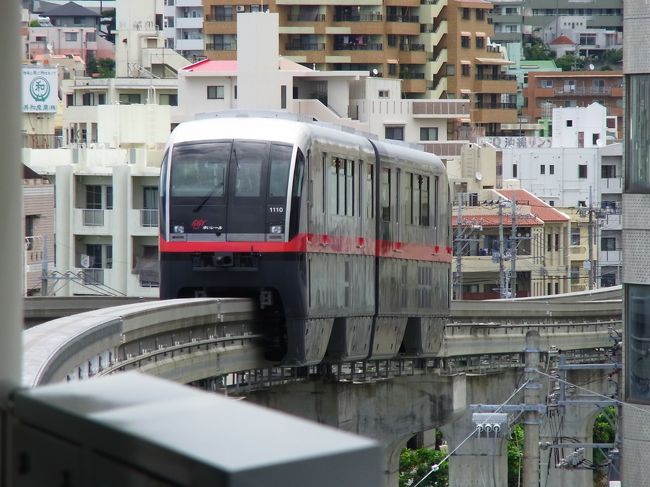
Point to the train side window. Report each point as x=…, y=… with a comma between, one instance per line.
x=370, y=191
x=349, y=188
x=408, y=197
x=324, y=176
x=385, y=194
x=423, y=182
x=436, y=200
x=417, y=207
x=279, y=174
x=297, y=175
x=342, y=187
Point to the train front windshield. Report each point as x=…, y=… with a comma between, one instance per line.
x=232, y=190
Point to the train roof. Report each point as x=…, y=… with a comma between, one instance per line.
x=292, y=129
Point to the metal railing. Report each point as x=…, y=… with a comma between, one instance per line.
x=149, y=217
x=92, y=218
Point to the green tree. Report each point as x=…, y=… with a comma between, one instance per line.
x=604, y=432
x=515, y=455
x=613, y=56
x=538, y=51
x=91, y=65
x=570, y=62
x=415, y=464
x=106, y=68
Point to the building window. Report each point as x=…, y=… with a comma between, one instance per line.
x=514, y=170
x=394, y=133
x=557, y=242
x=480, y=41
x=215, y=93
x=607, y=171
x=71, y=37
x=428, y=133
x=466, y=13
x=464, y=41
x=551, y=203
x=384, y=94
x=69, y=100
x=569, y=123
x=465, y=69
x=30, y=229
x=167, y=99
x=130, y=98
x=551, y=169
x=542, y=169
x=480, y=14
x=582, y=171
x=91, y=37
x=546, y=83
x=87, y=99
x=549, y=242
x=575, y=236
x=607, y=244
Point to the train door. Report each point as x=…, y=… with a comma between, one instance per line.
x=246, y=218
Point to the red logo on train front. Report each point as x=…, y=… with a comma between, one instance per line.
x=198, y=223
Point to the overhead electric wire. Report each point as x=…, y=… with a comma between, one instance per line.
x=435, y=466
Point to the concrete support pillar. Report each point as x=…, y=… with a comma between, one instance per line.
x=122, y=245
x=480, y=462
x=65, y=217
x=390, y=411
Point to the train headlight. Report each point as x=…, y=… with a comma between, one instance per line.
x=178, y=229
x=276, y=229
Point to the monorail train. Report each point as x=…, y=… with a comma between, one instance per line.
x=344, y=239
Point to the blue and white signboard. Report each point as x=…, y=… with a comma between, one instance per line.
x=40, y=90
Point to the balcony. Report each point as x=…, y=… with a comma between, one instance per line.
x=353, y=46
x=305, y=46
x=362, y=17
x=441, y=109
x=92, y=221
x=189, y=44
x=611, y=221
x=578, y=252
x=583, y=91
x=609, y=257
x=488, y=112
x=500, y=83
x=143, y=222
x=611, y=185
x=189, y=23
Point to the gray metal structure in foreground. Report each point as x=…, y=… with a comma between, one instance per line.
x=132, y=429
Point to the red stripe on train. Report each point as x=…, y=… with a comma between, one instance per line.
x=324, y=244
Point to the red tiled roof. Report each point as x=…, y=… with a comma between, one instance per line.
x=539, y=208
x=563, y=40
x=492, y=220
x=210, y=66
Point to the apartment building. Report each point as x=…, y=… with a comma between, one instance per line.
x=183, y=27
x=546, y=91
x=509, y=243
x=106, y=206
x=476, y=69
x=38, y=222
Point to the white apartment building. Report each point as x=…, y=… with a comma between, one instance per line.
x=578, y=171
x=183, y=27
x=107, y=203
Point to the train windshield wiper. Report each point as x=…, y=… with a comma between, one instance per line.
x=205, y=200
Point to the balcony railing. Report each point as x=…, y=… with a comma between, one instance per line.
x=306, y=17
x=42, y=141
x=220, y=18
x=403, y=18
x=93, y=218
x=480, y=105
x=148, y=218
x=351, y=46
x=92, y=277
x=307, y=46
x=495, y=77
x=410, y=75
x=369, y=17
x=583, y=91
x=411, y=47
x=227, y=46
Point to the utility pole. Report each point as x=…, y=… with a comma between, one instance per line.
x=531, y=415
x=459, y=250
x=502, y=272
x=513, y=249
x=590, y=233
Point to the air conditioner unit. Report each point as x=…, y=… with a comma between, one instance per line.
x=241, y=8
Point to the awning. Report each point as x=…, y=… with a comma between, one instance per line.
x=392, y=61
x=465, y=62
x=466, y=34
x=492, y=60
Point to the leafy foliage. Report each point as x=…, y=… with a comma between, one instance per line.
x=106, y=68
x=515, y=455
x=570, y=62
x=538, y=51
x=604, y=432
x=415, y=464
